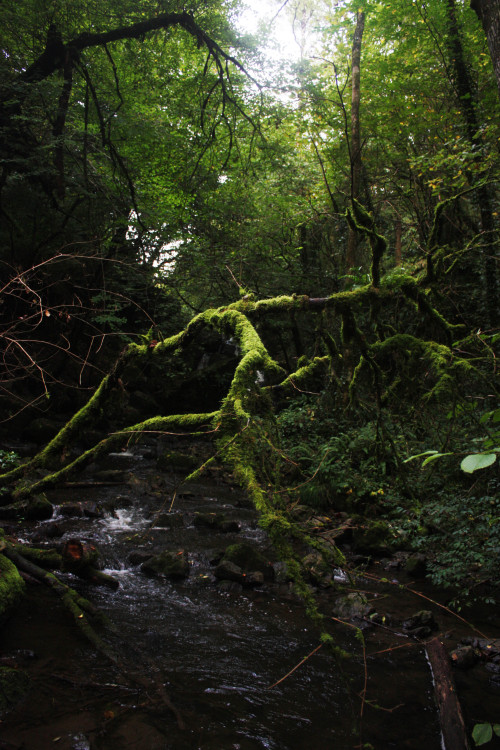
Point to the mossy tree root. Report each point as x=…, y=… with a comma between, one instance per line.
x=77, y=606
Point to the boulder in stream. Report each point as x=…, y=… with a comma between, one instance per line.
x=318, y=569
x=169, y=520
x=353, y=606
x=464, y=657
x=169, y=564
x=421, y=624
x=249, y=559
x=229, y=571
x=216, y=522
x=37, y=508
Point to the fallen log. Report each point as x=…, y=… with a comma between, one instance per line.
x=454, y=734
x=81, y=559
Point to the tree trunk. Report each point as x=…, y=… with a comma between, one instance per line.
x=466, y=96
x=398, y=251
x=450, y=713
x=352, y=259
x=488, y=12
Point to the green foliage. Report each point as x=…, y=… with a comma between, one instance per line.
x=8, y=460
x=483, y=733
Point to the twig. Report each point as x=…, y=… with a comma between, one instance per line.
x=295, y=667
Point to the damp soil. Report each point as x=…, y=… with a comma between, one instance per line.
x=202, y=663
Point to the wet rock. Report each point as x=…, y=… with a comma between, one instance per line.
x=231, y=587
x=281, y=574
x=254, y=578
x=372, y=538
x=229, y=571
x=416, y=566
x=377, y=618
x=168, y=564
x=464, y=657
x=421, y=624
x=48, y=531
x=92, y=510
x=353, y=606
x=318, y=569
x=216, y=522
x=71, y=510
x=249, y=559
x=38, y=509
x=170, y=520
x=140, y=556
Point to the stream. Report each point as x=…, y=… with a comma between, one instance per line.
x=215, y=650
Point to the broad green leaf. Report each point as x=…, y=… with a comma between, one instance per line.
x=476, y=461
x=482, y=733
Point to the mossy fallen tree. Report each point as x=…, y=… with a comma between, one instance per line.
x=362, y=344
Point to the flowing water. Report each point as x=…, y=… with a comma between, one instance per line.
x=215, y=652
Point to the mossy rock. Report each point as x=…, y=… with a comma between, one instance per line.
x=37, y=508
x=176, y=461
x=248, y=558
x=373, y=537
x=353, y=606
x=11, y=586
x=318, y=569
x=14, y=684
x=167, y=564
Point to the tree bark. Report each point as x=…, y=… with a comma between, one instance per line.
x=466, y=96
x=352, y=260
x=488, y=12
x=450, y=713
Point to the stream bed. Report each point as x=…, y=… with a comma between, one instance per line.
x=201, y=658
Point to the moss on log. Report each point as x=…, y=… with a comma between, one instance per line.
x=11, y=585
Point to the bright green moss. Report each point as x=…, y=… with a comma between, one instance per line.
x=11, y=586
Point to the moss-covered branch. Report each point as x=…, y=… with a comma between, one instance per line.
x=362, y=221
